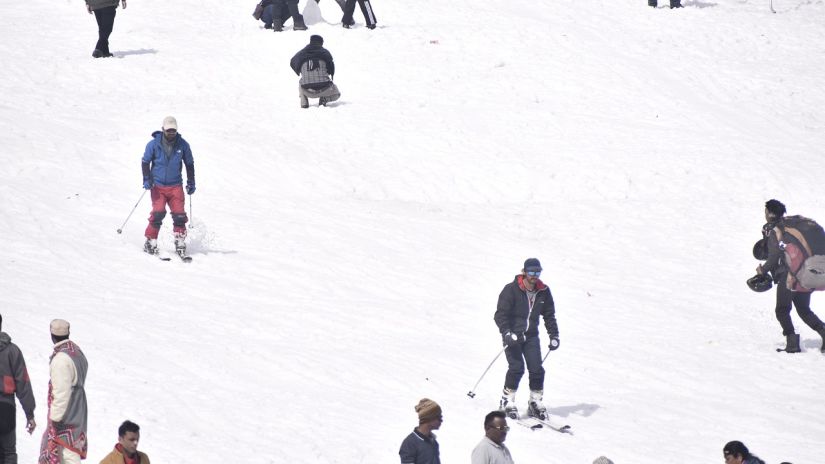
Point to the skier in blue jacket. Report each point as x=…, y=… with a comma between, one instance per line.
x=162, y=163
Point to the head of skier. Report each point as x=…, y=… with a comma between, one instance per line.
x=170, y=128
x=531, y=272
x=128, y=437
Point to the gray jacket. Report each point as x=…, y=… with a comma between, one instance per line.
x=490, y=452
x=15, y=381
x=98, y=4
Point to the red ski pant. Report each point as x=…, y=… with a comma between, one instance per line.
x=161, y=196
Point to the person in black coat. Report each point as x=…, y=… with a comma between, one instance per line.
x=366, y=9
x=786, y=298
x=315, y=66
x=520, y=304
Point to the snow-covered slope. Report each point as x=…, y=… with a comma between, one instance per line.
x=347, y=259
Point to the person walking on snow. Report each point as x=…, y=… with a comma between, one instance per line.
x=16, y=381
x=65, y=440
x=315, y=66
x=104, y=11
x=162, y=164
x=520, y=304
x=775, y=265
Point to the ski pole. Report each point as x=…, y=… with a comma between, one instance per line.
x=471, y=393
x=130, y=213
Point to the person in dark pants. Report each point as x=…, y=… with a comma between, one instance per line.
x=785, y=298
x=15, y=381
x=283, y=9
x=366, y=9
x=421, y=447
x=104, y=11
x=520, y=304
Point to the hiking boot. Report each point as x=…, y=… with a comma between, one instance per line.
x=151, y=246
x=304, y=102
x=100, y=54
x=792, y=344
x=508, y=403
x=267, y=26
x=298, y=23
x=323, y=101
x=535, y=408
x=675, y=4
x=277, y=25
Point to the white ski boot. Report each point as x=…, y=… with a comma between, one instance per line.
x=180, y=245
x=508, y=403
x=151, y=246
x=535, y=408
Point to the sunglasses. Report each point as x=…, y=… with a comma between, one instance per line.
x=171, y=131
x=534, y=273
x=503, y=428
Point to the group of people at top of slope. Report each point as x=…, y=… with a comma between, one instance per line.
x=65, y=438
x=274, y=13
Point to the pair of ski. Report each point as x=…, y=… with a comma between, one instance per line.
x=180, y=254
x=534, y=423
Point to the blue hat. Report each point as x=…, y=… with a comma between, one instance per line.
x=532, y=264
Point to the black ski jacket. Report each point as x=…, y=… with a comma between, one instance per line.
x=513, y=312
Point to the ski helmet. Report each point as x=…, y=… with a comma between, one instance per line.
x=760, y=250
x=760, y=283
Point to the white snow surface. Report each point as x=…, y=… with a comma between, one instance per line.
x=348, y=259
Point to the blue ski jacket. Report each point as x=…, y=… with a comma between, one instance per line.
x=164, y=168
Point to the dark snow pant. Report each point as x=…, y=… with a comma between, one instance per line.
x=366, y=9
x=529, y=351
x=802, y=301
x=105, y=23
x=8, y=447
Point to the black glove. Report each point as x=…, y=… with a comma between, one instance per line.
x=554, y=343
x=512, y=338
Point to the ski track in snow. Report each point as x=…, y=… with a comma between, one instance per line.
x=347, y=260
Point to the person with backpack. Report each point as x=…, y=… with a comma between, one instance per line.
x=788, y=237
x=520, y=304
x=315, y=66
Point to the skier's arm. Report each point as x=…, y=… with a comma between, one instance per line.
x=503, y=310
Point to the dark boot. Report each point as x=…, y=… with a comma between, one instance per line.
x=792, y=345
x=652, y=3
x=675, y=4
x=298, y=23
x=821, y=332
x=277, y=24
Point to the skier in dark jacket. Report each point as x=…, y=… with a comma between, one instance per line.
x=520, y=304
x=15, y=381
x=315, y=66
x=104, y=11
x=162, y=162
x=775, y=265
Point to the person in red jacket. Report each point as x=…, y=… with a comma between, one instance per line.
x=125, y=451
x=16, y=381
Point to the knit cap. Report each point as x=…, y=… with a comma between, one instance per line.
x=427, y=410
